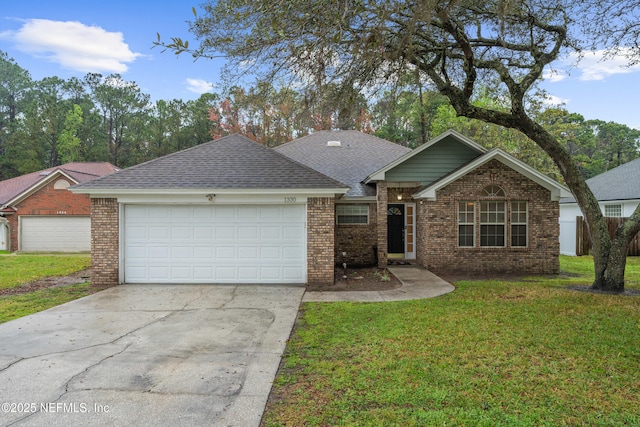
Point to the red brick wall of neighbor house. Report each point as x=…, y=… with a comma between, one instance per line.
x=48, y=201
x=359, y=242
x=437, y=226
x=320, y=240
x=104, y=242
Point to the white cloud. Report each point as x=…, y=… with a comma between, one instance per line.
x=555, y=101
x=199, y=86
x=74, y=45
x=594, y=65
x=554, y=76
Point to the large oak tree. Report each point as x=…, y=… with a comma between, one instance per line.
x=459, y=46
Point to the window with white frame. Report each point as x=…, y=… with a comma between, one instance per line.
x=352, y=214
x=466, y=224
x=519, y=223
x=613, y=211
x=492, y=223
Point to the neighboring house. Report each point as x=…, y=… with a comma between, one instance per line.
x=618, y=193
x=39, y=214
x=233, y=211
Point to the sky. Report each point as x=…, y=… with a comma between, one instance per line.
x=70, y=38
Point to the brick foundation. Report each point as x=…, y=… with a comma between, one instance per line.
x=104, y=242
x=320, y=240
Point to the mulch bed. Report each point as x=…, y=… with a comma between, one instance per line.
x=359, y=279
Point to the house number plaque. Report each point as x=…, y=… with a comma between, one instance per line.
x=289, y=199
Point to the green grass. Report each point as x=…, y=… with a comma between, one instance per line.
x=16, y=270
x=23, y=268
x=492, y=353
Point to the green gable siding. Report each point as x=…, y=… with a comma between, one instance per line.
x=433, y=162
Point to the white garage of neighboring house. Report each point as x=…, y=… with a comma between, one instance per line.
x=618, y=194
x=228, y=211
x=39, y=214
x=42, y=233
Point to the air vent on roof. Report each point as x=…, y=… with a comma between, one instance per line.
x=45, y=173
x=333, y=143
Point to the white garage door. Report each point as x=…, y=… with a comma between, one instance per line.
x=215, y=244
x=55, y=233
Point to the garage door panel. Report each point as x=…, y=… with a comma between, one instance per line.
x=247, y=233
x=248, y=253
x=200, y=233
x=202, y=274
x=158, y=273
x=247, y=213
x=226, y=252
x=270, y=252
x=292, y=253
x=215, y=244
x=291, y=273
x=225, y=274
x=158, y=253
x=225, y=232
x=200, y=252
x=181, y=252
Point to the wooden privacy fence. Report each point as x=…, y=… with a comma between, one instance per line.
x=583, y=242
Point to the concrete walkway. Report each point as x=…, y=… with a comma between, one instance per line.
x=417, y=283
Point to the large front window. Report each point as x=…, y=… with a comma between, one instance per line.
x=492, y=223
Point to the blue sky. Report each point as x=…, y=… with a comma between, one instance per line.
x=69, y=38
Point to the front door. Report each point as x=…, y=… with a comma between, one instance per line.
x=395, y=229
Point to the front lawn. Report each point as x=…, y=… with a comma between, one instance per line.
x=492, y=353
x=19, y=270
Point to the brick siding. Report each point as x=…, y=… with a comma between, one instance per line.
x=359, y=242
x=320, y=240
x=48, y=201
x=104, y=242
x=437, y=226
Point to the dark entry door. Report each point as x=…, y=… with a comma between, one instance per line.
x=395, y=229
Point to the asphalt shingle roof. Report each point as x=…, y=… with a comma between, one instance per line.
x=620, y=183
x=358, y=156
x=79, y=171
x=232, y=162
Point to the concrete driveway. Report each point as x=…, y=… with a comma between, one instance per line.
x=144, y=355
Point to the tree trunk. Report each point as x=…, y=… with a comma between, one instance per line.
x=611, y=278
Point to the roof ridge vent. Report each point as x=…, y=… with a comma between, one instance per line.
x=333, y=144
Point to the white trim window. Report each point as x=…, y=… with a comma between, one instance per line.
x=492, y=223
x=519, y=224
x=466, y=224
x=613, y=211
x=352, y=214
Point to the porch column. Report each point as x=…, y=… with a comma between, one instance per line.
x=320, y=240
x=382, y=197
x=104, y=242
